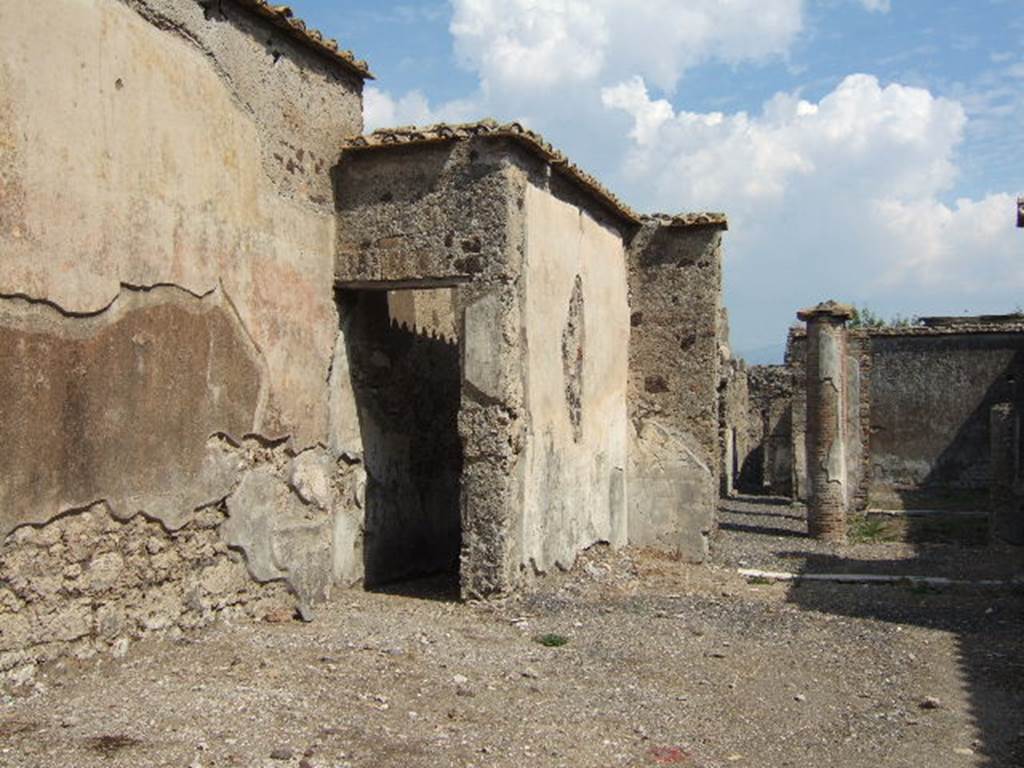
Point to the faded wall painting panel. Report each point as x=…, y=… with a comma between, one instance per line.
x=130, y=156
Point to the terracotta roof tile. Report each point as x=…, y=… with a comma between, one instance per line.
x=830, y=308
x=697, y=219
x=969, y=325
x=281, y=16
x=536, y=143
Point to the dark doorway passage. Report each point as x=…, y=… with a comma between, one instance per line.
x=406, y=374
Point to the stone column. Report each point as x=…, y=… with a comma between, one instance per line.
x=1006, y=517
x=826, y=420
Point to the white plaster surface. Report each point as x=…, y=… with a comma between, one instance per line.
x=574, y=492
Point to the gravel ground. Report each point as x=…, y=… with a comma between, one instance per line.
x=665, y=664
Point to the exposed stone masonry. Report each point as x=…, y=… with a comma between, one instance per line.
x=88, y=582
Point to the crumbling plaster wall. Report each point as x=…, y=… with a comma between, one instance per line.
x=450, y=213
x=167, y=230
x=541, y=293
x=576, y=330
x=141, y=155
x=674, y=295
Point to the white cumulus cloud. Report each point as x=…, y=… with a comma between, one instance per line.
x=872, y=141
x=840, y=197
x=381, y=109
x=522, y=44
x=877, y=6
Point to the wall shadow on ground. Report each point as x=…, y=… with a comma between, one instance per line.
x=407, y=392
x=988, y=625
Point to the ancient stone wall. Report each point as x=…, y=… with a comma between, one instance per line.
x=89, y=582
x=918, y=423
x=740, y=428
x=1006, y=492
x=177, y=378
x=674, y=295
x=771, y=396
x=167, y=320
x=931, y=394
x=858, y=428
x=540, y=277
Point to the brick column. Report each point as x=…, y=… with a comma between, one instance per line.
x=826, y=420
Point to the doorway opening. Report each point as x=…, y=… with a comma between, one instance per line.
x=406, y=373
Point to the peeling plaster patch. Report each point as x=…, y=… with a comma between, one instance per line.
x=835, y=464
x=829, y=360
x=348, y=530
x=282, y=537
x=572, y=359
x=343, y=413
x=118, y=406
x=484, y=324
x=310, y=478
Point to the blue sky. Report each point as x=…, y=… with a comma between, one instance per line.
x=865, y=150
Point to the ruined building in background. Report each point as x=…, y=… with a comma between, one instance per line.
x=248, y=354
x=918, y=402
x=757, y=414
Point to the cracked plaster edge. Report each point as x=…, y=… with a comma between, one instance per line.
x=113, y=310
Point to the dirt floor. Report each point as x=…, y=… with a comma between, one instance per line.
x=664, y=664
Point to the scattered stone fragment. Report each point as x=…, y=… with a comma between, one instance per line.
x=279, y=616
x=120, y=648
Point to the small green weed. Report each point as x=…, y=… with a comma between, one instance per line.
x=758, y=580
x=869, y=530
x=551, y=640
